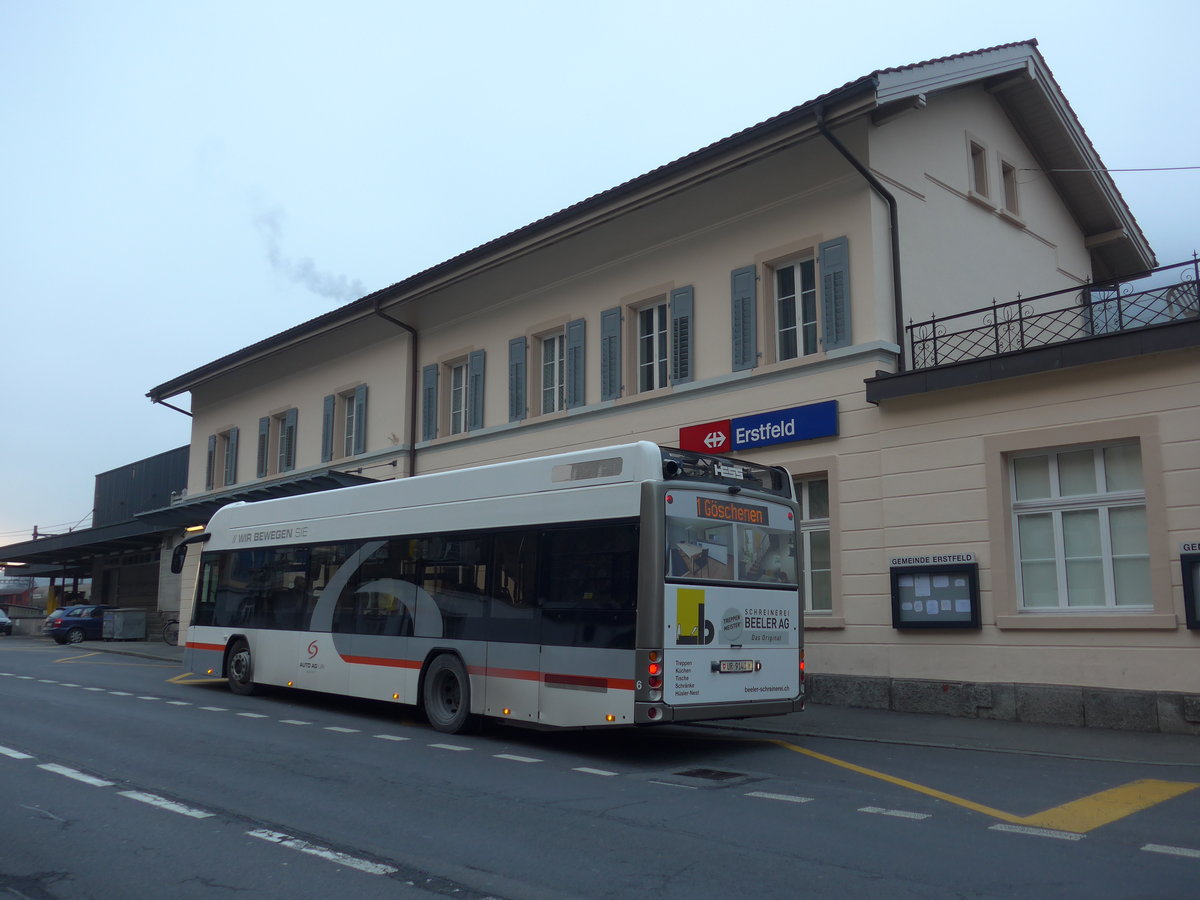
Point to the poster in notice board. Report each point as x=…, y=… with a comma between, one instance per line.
x=935, y=596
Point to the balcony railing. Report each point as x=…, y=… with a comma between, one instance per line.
x=1058, y=317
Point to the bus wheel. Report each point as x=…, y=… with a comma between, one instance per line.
x=241, y=669
x=447, y=694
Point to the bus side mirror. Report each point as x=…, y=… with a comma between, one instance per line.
x=179, y=554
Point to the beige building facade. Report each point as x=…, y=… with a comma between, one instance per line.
x=778, y=269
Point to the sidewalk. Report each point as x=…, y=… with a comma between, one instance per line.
x=887, y=727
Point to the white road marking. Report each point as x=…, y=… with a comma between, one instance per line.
x=897, y=813
x=341, y=730
x=1172, y=851
x=1039, y=832
x=214, y=708
x=789, y=798
x=524, y=759
x=334, y=856
x=67, y=684
x=586, y=770
x=25, y=677
x=183, y=703
x=391, y=737
x=148, y=698
x=164, y=803
x=75, y=774
x=449, y=747
x=253, y=715
x=46, y=680
x=294, y=722
x=121, y=693
x=14, y=754
x=93, y=689
x=686, y=787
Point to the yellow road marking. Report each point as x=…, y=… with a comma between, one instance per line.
x=1079, y=816
x=192, y=678
x=67, y=659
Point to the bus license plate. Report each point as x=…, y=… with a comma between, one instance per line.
x=736, y=665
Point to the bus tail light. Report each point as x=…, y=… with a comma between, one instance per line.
x=801, y=668
x=654, y=676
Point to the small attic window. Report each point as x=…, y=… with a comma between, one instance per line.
x=1008, y=182
x=979, y=172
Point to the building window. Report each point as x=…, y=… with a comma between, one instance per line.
x=1008, y=183
x=796, y=309
x=816, y=583
x=554, y=372
x=285, y=428
x=979, y=169
x=653, y=356
x=221, y=466
x=458, y=398
x=1079, y=522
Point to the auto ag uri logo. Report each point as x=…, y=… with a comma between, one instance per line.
x=312, y=649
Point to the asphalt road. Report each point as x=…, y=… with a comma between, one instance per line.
x=119, y=779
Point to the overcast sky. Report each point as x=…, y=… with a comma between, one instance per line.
x=182, y=179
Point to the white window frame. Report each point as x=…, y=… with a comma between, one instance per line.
x=346, y=418
x=552, y=371
x=811, y=527
x=805, y=323
x=458, y=396
x=1010, y=199
x=1102, y=501
x=280, y=446
x=653, y=344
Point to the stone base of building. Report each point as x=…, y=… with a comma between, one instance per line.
x=1046, y=704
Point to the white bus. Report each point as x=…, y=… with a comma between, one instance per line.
x=617, y=586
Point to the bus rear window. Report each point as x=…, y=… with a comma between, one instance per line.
x=713, y=538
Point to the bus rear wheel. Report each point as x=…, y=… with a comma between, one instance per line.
x=240, y=669
x=446, y=694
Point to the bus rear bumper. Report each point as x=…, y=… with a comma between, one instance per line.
x=656, y=713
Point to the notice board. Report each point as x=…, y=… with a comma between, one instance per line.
x=935, y=595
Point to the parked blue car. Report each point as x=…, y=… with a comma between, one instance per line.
x=75, y=624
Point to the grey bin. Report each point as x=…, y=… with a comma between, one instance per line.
x=124, y=625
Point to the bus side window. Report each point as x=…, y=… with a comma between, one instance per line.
x=513, y=614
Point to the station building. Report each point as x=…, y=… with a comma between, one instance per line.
x=914, y=292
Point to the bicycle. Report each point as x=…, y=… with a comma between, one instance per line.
x=170, y=633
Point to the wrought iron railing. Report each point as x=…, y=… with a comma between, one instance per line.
x=1057, y=317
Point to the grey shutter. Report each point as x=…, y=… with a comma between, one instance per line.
x=288, y=440
x=475, y=366
x=360, y=419
x=834, y=258
x=516, y=379
x=327, y=414
x=576, y=333
x=610, y=354
x=429, y=402
x=210, y=469
x=264, y=445
x=681, y=335
x=744, y=304
x=231, y=452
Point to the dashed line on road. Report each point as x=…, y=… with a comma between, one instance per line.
x=164, y=803
x=14, y=754
x=895, y=813
x=514, y=758
x=75, y=774
x=340, y=730
x=787, y=798
x=249, y=715
x=293, y=722
x=334, y=856
x=1038, y=832
x=455, y=747
x=1172, y=851
x=588, y=770
x=391, y=737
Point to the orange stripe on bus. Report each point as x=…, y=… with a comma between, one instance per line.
x=592, y=681
x=196, y=645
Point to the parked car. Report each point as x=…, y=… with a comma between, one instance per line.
x=5, y=623
x=75, y=624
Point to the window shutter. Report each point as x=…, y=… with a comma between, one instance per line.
x=210, y=469
x=516, y=379
x=835, y=292
x=264, y=445
x=681, y=335
x=288, y=440
x=475, y=366
x=429, y=402
x=744, y=304
x=610, y=354
x=231, y=452
x=360, y=419
x=576, y=333
x=327, y=414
